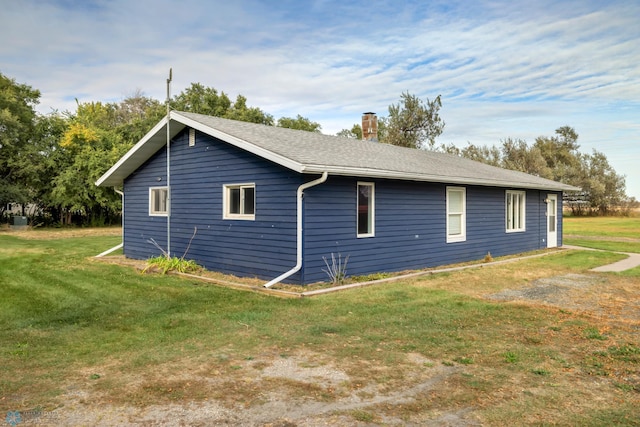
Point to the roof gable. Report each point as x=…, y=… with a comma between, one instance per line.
x=308, y=152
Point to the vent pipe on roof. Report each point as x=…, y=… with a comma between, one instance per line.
x=369, y=127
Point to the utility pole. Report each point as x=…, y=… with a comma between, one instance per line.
x=169, y=163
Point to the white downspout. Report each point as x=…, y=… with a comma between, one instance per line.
x=298, y=265
x=115, y=248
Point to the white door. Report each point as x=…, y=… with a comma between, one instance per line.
x=552, y=220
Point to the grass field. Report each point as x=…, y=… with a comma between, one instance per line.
x=81, y=337
x=608, y=233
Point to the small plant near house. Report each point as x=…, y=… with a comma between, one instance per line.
x=166, y=263
x=488, y=257
x=337, y=270
x=511, y=357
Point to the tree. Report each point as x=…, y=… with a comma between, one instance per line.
x=355, y=132
x=561, y=154
x=48, y=161
x=240, y=111
x=92, y=142
x=517, y=155
x=17, y=118
x=413, y=123
x=602, y=187
x=205, y=100
x=202, y=100
x=136, y=114
x=485, y=154
x=299, y=123
x=557, y=158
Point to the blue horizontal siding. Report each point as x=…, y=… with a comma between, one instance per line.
x=410, y=227
x=410, y=218
x=139, y=227
x=263, y=248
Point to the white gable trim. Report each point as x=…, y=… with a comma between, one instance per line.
x=155, y=139
x=240, y=143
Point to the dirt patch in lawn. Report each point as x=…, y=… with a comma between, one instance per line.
x=304, y=389
x=607, y=298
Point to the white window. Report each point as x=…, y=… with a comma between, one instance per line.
x=456, y=214
x=365, y=209
x=158, y=201
x=515, y=211
x=239, y=201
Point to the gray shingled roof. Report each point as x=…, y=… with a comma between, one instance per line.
x=308, y=152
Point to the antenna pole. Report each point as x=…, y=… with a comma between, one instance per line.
x=169, y=163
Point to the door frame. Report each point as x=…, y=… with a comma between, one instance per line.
x=551, y=215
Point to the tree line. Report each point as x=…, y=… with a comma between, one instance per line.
x=416, y=124
x=51, y=162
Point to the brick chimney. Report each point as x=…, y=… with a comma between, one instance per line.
x=369, y=127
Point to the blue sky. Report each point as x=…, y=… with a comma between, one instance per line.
x=511, y=68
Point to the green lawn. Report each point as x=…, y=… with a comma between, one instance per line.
x=69, y=321
x=603, y=226
x=607, y=233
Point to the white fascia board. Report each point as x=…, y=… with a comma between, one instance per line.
x=242, y=144
x=131, y=154
x=377, y=173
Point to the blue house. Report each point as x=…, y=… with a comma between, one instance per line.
x=270, y=202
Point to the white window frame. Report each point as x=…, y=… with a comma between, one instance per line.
x=153, y=194
x=515, y=206
x=226, y=201
x=371, y=207
x=462, y=237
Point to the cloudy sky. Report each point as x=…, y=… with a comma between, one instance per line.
x=514, y=68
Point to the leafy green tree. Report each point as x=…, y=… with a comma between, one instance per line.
x=206, y=100
x=517, y=155
x=484, y=153
x=355, y=132
x=48, y=161
x=299, y=123
x=413, y=123
x=95, y=138
x=602, y=187
x=136, y=114
x=240, y=111
x=558, y=158
x=17, y=118
x=202, y=100
x=561, y=153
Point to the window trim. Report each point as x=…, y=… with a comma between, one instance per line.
x=153, y=191
x=371, y=206
x=522, y=208
x=226, y=201
x=462, y=237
